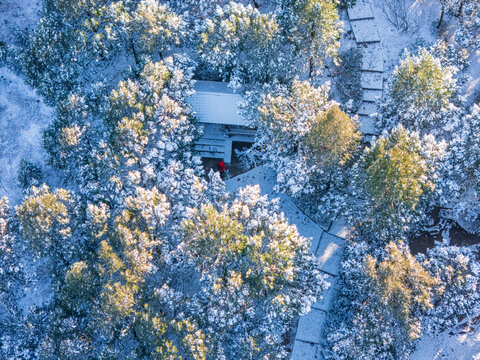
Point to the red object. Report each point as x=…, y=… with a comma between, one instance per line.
x=221, y=166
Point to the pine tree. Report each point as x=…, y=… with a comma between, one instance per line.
x=29, y=174
x=420, y=93
x=403, y=285
x=460, y=172
x=456, y=295
x=468, y=14
x=49, y=60
x=383, y=296
x=242, y=45
x=302, y=135
x=468, y=35
x=155, y=29
x=393, y=176
x=254, y=267
x=148, y=126
x=12, y=272
x=359, y=326
x=314, y=28
x=46, y=220
x=202, y=9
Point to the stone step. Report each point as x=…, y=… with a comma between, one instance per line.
x=310, y=326
x=304, y=351
x=365, y=31
x=209, y=154
x=367, y=108
x=340, y=228
x=372, y=57
x=372, y=95
x=327, y=296
x=207, y=147
x=213, y=132
x=241, y=138
x=362, y=10
x=210, y=141
x=329, y=253
x=372, y=81
x=367, y=125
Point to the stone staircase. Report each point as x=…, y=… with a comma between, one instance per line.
x=212, y=143
x=368, y=41
x=216, y=141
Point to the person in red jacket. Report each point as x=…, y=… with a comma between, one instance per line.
x=221, y=168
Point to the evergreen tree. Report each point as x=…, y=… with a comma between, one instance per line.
x=314, y=28
x=393, y=176
x=79, y=44
x=47, y=61
x=403, y=285
x=302, y=135
x=378, y=312
x=419, y=95
x=197, y=9
x=12, y=272
x=460, y=173
x=467, y=13
x=468, y=35
x=254, y=270
x=156, y=29
x=242, y=45
x=456, y=296
x=30, y=174
x=46, y=220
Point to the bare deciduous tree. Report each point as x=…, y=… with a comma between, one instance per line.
x=396, y=12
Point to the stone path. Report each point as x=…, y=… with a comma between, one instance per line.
x=310, y=326
x=367, y=38
x=329, y=250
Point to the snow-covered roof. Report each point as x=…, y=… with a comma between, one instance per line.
x=215, y=103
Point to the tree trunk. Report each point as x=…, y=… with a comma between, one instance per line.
x=313, y=34
x=441, y=17
x=310, y=67
x=460, y=9
x=134, y=52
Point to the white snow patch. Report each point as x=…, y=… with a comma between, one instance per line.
x=472, y=88
x=422, y=14
x=23, y=117
x=16, y=16
x=448, y=347
x=39, y=290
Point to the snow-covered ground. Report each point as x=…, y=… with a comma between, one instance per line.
x=17, y=16
x=448, y=347
x=423, y=15
x=23, y=117
x=472, y=88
